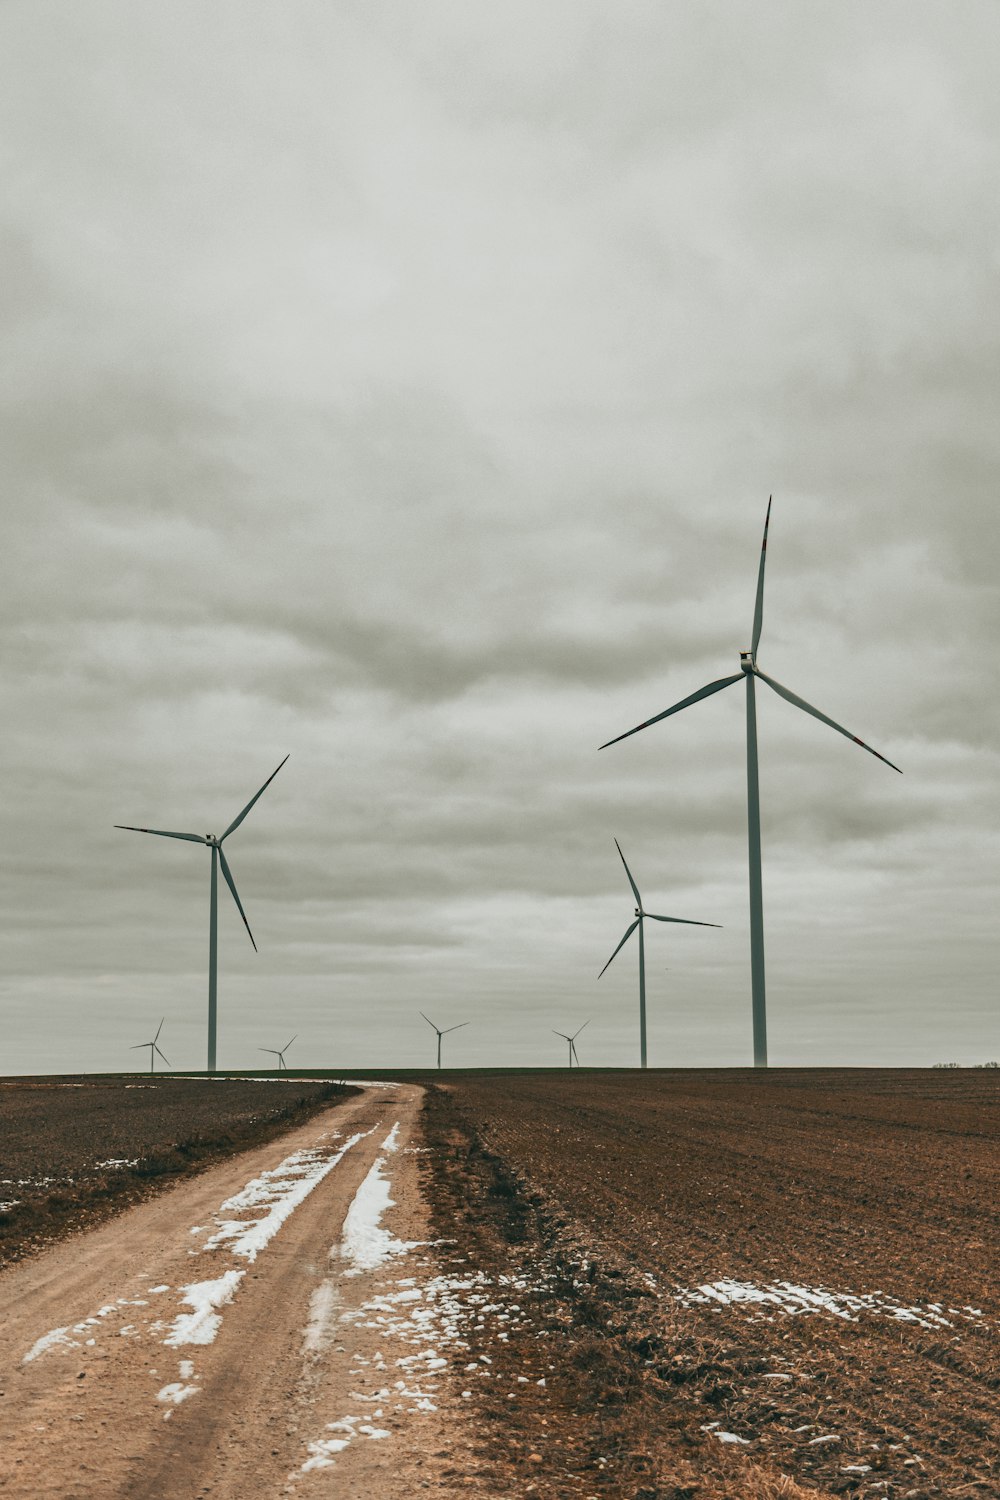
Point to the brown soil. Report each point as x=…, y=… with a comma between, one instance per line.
x=610, y=1192
x=58, y=1139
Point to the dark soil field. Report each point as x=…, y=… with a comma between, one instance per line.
x=746, y=1285
x=72, y=1152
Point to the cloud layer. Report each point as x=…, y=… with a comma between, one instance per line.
x=402, y=387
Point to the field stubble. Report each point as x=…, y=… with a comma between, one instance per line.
x=76, y=1151
x=650, y=1209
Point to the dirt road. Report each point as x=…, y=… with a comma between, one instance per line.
x=188, y=1348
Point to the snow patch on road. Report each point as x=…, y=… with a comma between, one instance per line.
x=364, y=1242
x=321, y=1452
x=205, y=1297
x=281, y=1191
x=59, y=1338
x=322, y=1303
x=177, y=1392
x=55, y=1338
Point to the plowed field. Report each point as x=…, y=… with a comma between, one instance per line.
x=73, y=1151
x=792, y=1272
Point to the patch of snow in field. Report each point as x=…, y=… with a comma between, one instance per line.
x=205, y=1297
x=792, y=1299
x=280, y=1191
x=391, y=1142
x=118, y=1161
x=9, y=1204
x=724, y=1437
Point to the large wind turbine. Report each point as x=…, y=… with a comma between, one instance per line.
x=445, y=1032
x=572, y=1041
x=640, y=917
x=279, y=1054
x=218, y=858
x=153, y=1048
x=749, y=670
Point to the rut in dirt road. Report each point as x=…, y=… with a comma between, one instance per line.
x=226, y=1337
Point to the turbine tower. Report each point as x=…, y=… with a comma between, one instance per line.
x=572, y=1041
x=218, y=858
x=749, y=670
x=280, y=1055
x=640, y=917
x=153, y=1048
x=445, y=1032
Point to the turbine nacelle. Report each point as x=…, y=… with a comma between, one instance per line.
x=747, y=663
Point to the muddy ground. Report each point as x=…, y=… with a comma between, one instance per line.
x=75, y=1151
x=640, y=1206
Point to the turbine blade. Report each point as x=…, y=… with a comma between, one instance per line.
x=237, y=821
x=192, y=838
x=288, y=1044
x=232, y=886
x=562, y=1034
x=687, y=922
x=579, y=1029
x=620, y=945
x=158, y=1030
x=705, y=692
x=138, y=1045
x=429, y=1021
x=628, y=872
x=160, y=1054
x=758, y=611
x=823, y=718
x=576, y=1055
x=455, y=1028
x=269, y=1050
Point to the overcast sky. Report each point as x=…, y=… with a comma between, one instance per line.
x=400, y=386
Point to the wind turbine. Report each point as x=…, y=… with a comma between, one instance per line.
x=445, y=1032
x=279, y=1055
x=152, y=1047
x=218, y=858
x=572, y=1041
x=640, y=917
x=749, y=670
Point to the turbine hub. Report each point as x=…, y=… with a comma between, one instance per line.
x=638, y=912
x=746, y=662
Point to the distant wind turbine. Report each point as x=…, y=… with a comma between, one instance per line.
x=218, y=858
x=640, y=917
x=153, y=1048
x=445, y=1032
x=572, y=1041
x=749, y=670
x=279, y=1055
